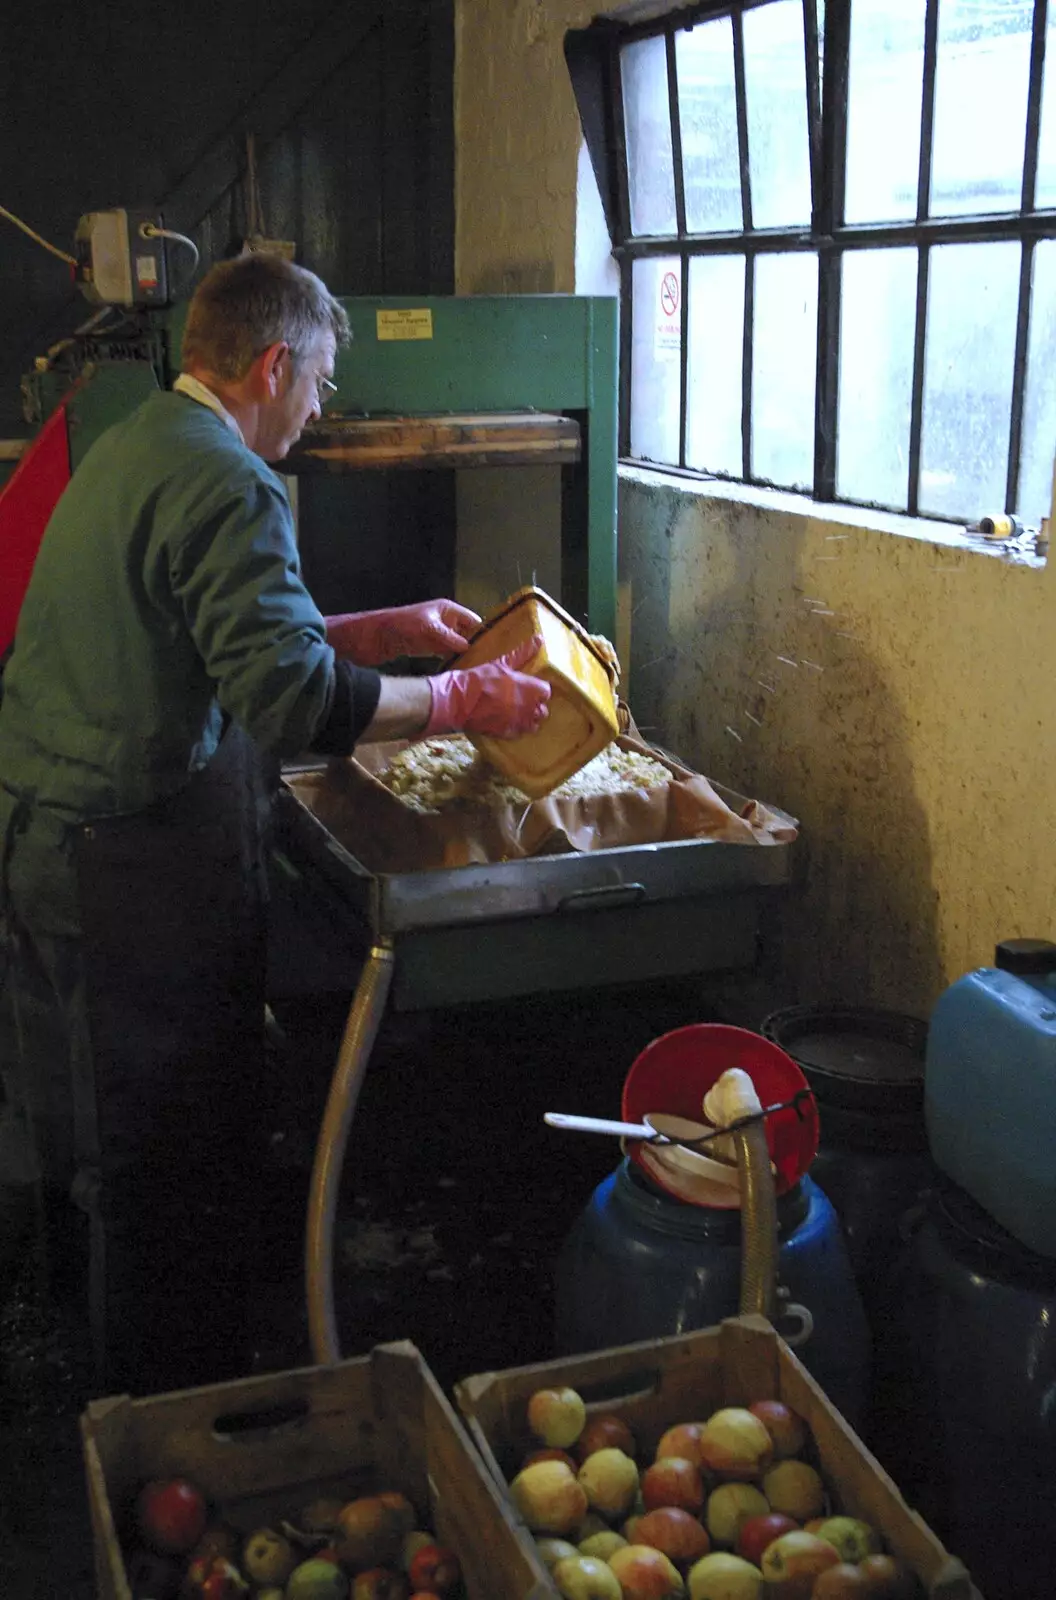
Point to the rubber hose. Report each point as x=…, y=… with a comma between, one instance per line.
x=361, y=1029
x=758, y=1222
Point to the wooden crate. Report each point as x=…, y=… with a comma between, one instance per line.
x=261, y=1448
x=658, y=1383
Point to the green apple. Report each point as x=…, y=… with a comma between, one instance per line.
x=853, y=1538
x=268, y=1558
x=720, y=1576
x=602, y=1545
x=317, y=1580
x=586, y=1578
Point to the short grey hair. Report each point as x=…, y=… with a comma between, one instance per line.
x=241, y=307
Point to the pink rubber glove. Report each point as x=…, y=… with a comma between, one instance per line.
x=494, y=698
x=429, y=628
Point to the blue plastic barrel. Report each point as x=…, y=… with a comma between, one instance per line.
x=638, y=1264
x=990, y=1090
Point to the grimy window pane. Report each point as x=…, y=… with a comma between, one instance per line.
x=656, y=358
x=784, y=344
x=883, y=110
x=716, y=327
x=707, y=108
x=1039, y=411
x=647, y=116
x=972, y=298
x=775, y=86
x=1045, y=184
x=981, y=79
x=877, y=318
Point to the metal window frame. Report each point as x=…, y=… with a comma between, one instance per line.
x=828, y=236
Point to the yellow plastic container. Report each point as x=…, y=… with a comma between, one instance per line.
x=584, y=715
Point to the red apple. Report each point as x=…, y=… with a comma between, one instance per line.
x=604, y=1433
x=673, y=1481
x=550, y=1453
x=844, y=1581
x=679, y=1535
x=785, y=1426
x=223, y=1581
x=645, y=1573
x=888, y=1579
x=369, y=1533
x=556, y=1416
x=793, y=1563
x=171, y=1515
x=755, y=1533
x=681, y=1440
x=379, y=1583
x=435, y=1568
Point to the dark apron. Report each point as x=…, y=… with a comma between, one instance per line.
x=172, y=913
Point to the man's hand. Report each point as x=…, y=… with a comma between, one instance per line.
x=494, y=698
x=429, y=628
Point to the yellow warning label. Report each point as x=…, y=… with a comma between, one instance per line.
x=410, y=324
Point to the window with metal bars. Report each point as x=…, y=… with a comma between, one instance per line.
x=836, y=234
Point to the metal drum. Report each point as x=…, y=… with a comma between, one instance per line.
x=976, y=1447
x=639, y=1264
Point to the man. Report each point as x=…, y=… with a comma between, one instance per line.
x=166, y=637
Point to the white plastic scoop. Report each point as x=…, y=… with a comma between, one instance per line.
x=664, y=1133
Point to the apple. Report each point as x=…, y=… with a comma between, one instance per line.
x=268, y=1558
x=721, y=1576
x=844, y=1581
x=792, y=1564
x=401, y=1505
x=673, y=1481
x=586, y=1578
x=223, y=1581
x=796, y=1489
x=551, y=1551
x=556, y=1416
x=731, y=1504
x=852, y=1539
x=412, y=1543
x=681, y=1440
x=785, y=1426
x=601, y=1433
x=370, y=1532
x=379, y=1583
x=678, y=1534
x=316, y=1580
x=219, y=1539
x=436, y=1568
x=550, y=1453
x=755, y=1533
x=320, y=1516
x=610, y=1481
x=153, y=1577
x=645, y=1573
x=735, y=1444
x=601, y=1545
x=592, y=1523
x=549, y=1497
x=888, y=1579
x=171, y=1515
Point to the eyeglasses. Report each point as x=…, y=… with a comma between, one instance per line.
x=325, y=390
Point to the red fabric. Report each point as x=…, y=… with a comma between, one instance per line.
x=26, y=502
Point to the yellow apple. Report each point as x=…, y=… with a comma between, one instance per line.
x=734, y=1444
x=646, y=1574
x=556, y=1416
x=730, y=1505
x=794, y=1488
x=551, y=1551
x=586, y=1578
x=602, y=1545
x=793, y=1563
x=549, y=1498
x=852, y=1538
x=721, y=1576
x=610, y=1480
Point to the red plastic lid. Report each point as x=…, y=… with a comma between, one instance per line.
x=675, y=1072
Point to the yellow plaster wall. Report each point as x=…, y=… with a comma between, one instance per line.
x=915, y=735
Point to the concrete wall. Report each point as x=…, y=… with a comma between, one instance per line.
x=898, y=694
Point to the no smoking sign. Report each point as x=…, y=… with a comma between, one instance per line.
x=668, y=332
